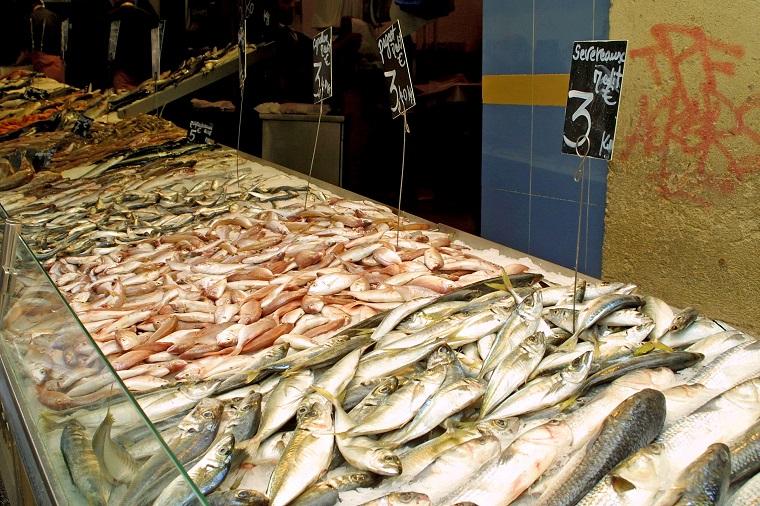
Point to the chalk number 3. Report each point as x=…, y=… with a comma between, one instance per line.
x=583, y=112
x=393, y=89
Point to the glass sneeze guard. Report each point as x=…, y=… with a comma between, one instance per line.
x=72, y=417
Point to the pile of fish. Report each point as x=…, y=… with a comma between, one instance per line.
x=198, y=305
x=506, y=391
x=201, y=64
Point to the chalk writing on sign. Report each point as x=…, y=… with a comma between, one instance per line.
x=596, y=79
x=396, y=69
x=322, y=60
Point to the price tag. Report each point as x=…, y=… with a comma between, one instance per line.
x=396, y=67
x=82, y=125
x=65, y=27
x=596, y=78
x=200, y=133
x=155, y=52
x=322, y=59
x=113, y=39
x=248, y=9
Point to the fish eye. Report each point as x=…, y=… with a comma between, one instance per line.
x=192, y=430
x=208, y=415
x=243, y=494
x=406, y=496
x=389, y=458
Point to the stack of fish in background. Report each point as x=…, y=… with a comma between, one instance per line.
x=311, y=349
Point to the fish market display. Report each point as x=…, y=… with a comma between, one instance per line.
x=393, y=410
x=316, y=350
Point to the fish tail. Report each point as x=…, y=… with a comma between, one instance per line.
x=570, y=344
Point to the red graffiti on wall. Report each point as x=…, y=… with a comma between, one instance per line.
x=692, y=118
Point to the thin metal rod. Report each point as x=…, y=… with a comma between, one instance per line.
x=582, y=173
x=313, y=155
x=401, y=180
x=240, y=125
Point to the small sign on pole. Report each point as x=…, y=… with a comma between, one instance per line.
x=322, y=60
x=396, y=69
x=596, y=79
x=200, y=133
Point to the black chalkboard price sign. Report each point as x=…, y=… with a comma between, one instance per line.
x=200, y=133
x=596, y=78
x=396, y=69
x=322, y=60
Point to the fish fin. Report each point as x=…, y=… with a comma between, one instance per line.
x=644, y=348
x=327, y=395
x=663, y=347
x=496, y=286
x=250, y=376
x=569, y=344
x=567, y=403
x=621, y=485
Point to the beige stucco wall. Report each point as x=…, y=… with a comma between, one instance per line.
x=683, y=209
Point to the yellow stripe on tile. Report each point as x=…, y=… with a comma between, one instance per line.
x=526, y=89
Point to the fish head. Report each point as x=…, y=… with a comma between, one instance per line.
x=200, y=390
x=745, y=396
x=531, y=306
x=246, y=497
x=535, y=344
x=499, y=427
x=384, y=462
x=441, y=355
x=579, y=368
x=315, y=413
x=386, y=387
x=249, y=403
x=643, y=471
x=224, y=448
x=206, y=413
x=407, y=499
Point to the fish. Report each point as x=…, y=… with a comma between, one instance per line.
x=704, y=481
x=523, y=323
x=748, y=494
x=238, y=497
x=501, y=480
x=452, y=468
x=115, y=461
x=281, y=405
x=397, y=315
x=653, y=469
x=414, y=460
x=676, y=360
x=447, y=401
x=197, y=431
x=207, y=474
x=327, y=492
x=245, y=419
x=361, y=452
x=399, y=407
x=82, y=463
x=691, y=334
x=745, y=454
x=731, y=367
x=513, y=372
x=544, y=392
x=307, y=455
x=375, y=398
x=401, y=499
x=660, y=313
x=629, y=427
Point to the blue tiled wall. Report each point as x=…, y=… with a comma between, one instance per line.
x=530, y=199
